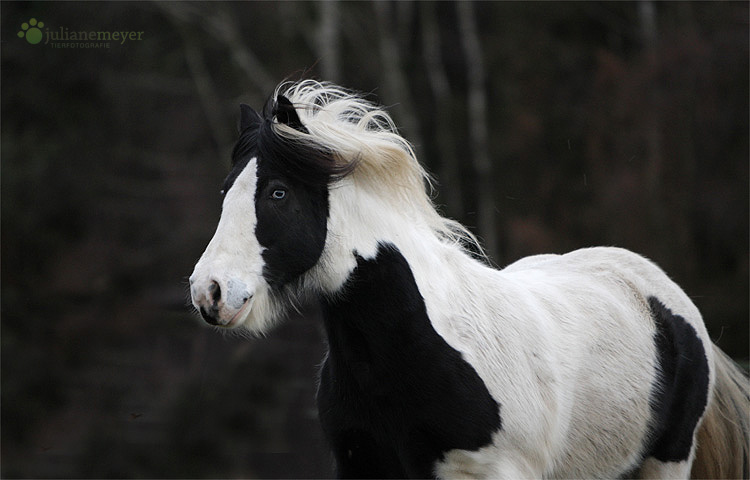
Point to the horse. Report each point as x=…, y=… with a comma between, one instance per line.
x=589, y=364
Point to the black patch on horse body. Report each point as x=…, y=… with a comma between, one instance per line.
x=680, y=392
x=394, y=396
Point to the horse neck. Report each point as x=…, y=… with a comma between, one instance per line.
x=360, y=223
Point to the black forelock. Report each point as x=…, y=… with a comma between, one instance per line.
x=299, y=157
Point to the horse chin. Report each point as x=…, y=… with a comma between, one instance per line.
x=239, y=318
x=258, y=315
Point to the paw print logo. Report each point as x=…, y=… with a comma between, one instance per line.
x=31, y=31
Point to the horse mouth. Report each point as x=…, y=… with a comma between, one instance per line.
x=241, y=314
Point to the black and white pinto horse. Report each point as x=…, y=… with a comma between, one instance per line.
x=589, y=364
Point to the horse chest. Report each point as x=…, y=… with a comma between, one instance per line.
x=394, y=396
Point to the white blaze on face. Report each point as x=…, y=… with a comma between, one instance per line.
x=228, y=278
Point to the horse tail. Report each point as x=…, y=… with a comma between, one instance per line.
x=724, y=435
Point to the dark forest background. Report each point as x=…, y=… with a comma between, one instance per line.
x=549, y=126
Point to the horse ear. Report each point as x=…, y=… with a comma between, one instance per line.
x=287, y=114
x=248, y=117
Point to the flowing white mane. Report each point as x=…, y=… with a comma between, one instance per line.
x=362, y=133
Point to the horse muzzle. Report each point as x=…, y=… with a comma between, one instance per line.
x=224, y=304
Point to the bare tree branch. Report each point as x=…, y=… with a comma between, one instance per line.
x=223, y=26
x=202, y=79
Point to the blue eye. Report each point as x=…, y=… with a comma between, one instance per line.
x=278, y=194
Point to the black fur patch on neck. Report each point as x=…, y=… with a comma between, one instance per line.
x=394, y=396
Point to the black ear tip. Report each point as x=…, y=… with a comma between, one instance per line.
x=248, y=117
x=286, y=113
x=245, y=108
x=284, y=107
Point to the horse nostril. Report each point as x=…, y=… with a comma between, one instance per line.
x=215, y=290
x=210, y=316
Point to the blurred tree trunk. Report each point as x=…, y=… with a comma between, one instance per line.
x=478, y=129
x=665, y=217
x=328, y=39
x=394, y=77
x=437, y=77
x=654, y=165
